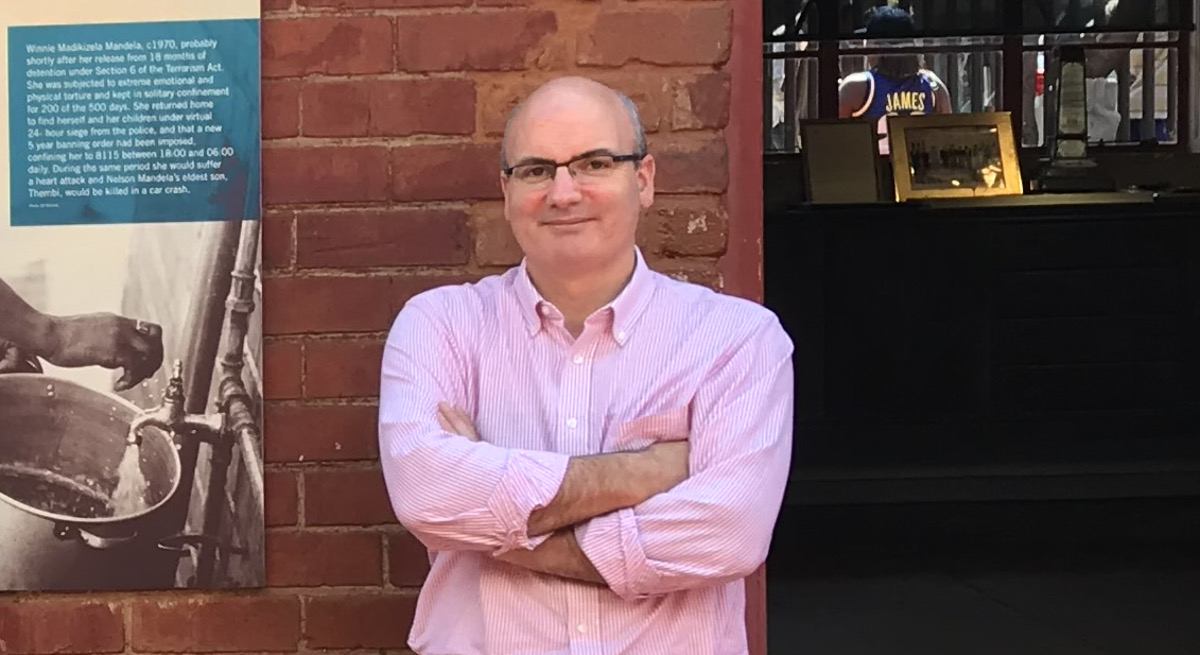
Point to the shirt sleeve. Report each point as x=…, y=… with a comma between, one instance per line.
x=450, y=492
x=715, y=527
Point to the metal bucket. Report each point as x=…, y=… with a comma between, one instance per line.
x=60, y=448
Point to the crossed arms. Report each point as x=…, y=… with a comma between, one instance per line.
x=641, y=523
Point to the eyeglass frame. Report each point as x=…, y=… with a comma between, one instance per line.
x=633, y=157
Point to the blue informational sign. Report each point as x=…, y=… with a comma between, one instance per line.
x=134, y=122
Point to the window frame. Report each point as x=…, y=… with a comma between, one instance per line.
x=825, y=38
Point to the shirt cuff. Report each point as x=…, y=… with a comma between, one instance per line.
x=530, y=481
x=613, y=545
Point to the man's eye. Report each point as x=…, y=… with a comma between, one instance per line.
x=532, y=172
x=598, y=163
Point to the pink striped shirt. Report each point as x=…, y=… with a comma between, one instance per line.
x=664, y=360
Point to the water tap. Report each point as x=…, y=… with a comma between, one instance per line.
x=170, y=416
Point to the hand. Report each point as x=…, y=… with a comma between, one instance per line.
x=456, y=421
x=110, y=341
x=668, y=464
x=14, y=359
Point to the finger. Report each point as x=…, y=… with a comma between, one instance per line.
x=442, y=421
x=126, y=381
x=144, y=339
x=445, y=420
x=464, y=422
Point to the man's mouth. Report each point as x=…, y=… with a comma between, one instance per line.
x=566, y=222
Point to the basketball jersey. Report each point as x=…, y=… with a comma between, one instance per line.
x=911, y=96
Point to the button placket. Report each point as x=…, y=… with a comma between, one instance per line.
x=583, y=621
x=575, y=396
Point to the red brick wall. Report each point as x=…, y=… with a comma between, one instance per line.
x=381, y=122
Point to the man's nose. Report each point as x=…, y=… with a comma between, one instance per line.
x=563, y=188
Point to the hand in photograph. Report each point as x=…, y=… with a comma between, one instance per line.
x=14, y=359
x=100, y=339
x=110, y=341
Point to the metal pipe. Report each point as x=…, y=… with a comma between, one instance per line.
x=242, y=424
x=1149, y=131
x=204, y=314
x=1031, y=136
x=1173, y=93
x=790, y=113
x=768, y=104
x=1124, y=99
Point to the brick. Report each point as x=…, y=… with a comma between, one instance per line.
x=382, y=4
x=701, y=103
x=675, y=36
x=346, y=497
x=685, y=166
x=495, y=244
x=313, y=559
x=330, y=45
x=368, y=238
x=325, y=174
x=377, y=621
x=280, y=109
x=467, y=171
x=650, y=231
x=339, y=368
x=505, y=40
x=276, y=237
x=692, y=226
x=280, y=497
x=648, y=91
x=184, y=624
x=407, y=286
x=269, y=5
x=408, y=561
x=282, y=366
x=320, y=433
x=696, y=272
x=389, y=107
x=326, y=304
x=61, y=626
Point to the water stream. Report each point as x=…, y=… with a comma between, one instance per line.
x=130, y=495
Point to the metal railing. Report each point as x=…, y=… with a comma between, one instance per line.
x=992, y=55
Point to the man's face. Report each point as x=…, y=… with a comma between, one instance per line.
x=569, y=222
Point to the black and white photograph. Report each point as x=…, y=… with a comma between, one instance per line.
x=966, y=156
x=954, y=156
x=130, y=405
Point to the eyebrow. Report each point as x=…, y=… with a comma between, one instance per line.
x=524, y=161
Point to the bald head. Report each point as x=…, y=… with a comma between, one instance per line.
x=562, y=93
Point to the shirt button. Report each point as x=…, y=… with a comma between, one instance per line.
x=571, y=423
x=621, y=336
x=581, y=628
x=544, y=310
x=578, y=359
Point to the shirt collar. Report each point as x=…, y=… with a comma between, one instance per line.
x=629, y=304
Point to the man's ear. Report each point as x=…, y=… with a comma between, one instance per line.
x=645, y=180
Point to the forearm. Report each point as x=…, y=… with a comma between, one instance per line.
x=715, y=526
x=595, y=485
x=559, y=556
x=24, y=325
x=454, y=494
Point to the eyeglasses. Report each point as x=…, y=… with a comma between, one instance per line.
x=588, y=167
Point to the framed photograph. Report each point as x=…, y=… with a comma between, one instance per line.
x=954, y=156
x=839, y=161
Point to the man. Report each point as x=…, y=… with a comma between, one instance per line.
x=86, y=340
x=895, y=85
x=593, y=453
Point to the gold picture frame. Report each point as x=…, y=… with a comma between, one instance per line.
x=954, y=156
